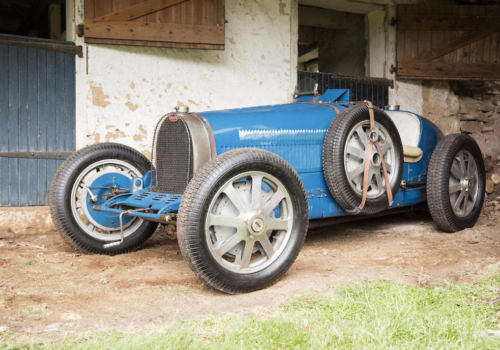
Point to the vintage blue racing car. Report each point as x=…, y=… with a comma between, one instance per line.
x=242, y=185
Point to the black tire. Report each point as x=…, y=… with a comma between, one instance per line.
x=438, y=194
x=194, y=207
x=60, y=198
x=333, y=159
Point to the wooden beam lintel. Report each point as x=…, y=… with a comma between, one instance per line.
x=182, y=33
x=154, y=44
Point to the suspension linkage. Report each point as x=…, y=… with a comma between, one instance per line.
x=126, y=212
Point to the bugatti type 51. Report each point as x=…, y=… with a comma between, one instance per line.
x=242, y=185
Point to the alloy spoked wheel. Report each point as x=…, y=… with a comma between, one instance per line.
x=249, y=222
x=242, y=220
x=463, y=183
x=355, y=156
x=89, y=190
x=344, y=157
x=456, y=182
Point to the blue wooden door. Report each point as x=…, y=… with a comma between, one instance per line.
x=37, y=115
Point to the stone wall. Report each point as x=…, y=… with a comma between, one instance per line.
x=469, y=107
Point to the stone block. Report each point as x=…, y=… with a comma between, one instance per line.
x=484, y=117
x=479, y=116
x=495, y=178
x=489, y=163
x=471, y=105
x=449, y=125
x=453, y=103
x=490, y=187
x=471, y=127
x=19, y=219
x=469, y=116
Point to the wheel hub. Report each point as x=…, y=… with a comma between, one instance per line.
x=471, y=183
x=94, y=195
x=89, y=190
x=355, y=156
x=376, y=159
x=249, y=222
x=256, y=226
x=467, y=184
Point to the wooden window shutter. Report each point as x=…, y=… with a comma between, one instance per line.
x=196, y=24
x=448, y=42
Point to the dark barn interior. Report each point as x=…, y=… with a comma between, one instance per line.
x=33, y=18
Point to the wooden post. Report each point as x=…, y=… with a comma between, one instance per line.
x=55, y=21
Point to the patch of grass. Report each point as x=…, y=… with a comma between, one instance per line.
x=36, y=310
x=30, y=263
x=377, y=315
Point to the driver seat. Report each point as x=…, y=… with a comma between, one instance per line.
x=408, y=125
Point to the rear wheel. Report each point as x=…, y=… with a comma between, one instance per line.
x=242, y=220
x=82, y=182
x=456, y=183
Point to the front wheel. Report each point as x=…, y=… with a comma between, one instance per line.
x=243, y=220
x=82, y=182
x=455, y=183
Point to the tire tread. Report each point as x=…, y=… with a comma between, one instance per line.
x=438, y=199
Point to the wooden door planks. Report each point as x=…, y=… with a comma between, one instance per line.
x=448, y=42
x=195, y=24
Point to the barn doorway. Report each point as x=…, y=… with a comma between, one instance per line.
x=333, y=49
x=37, y=98
x=331, y=41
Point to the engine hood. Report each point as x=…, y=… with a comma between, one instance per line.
x=294, y=131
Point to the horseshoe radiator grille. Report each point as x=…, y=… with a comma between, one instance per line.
x=172, y=157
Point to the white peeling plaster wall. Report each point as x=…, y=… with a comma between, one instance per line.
x=376, y=43
x=129, y=88
x=80, y=79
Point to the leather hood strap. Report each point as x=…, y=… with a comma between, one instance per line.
x=373, y=140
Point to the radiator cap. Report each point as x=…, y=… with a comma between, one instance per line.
x=184, y=109
x=181, y=109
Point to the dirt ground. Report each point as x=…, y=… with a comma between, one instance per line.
x=48, y=289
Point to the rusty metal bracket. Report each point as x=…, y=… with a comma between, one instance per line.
x=66, y=48
x=80, y=30
x=37, y=154
x=393, y=69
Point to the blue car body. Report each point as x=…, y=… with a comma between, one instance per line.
x=295, y=132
